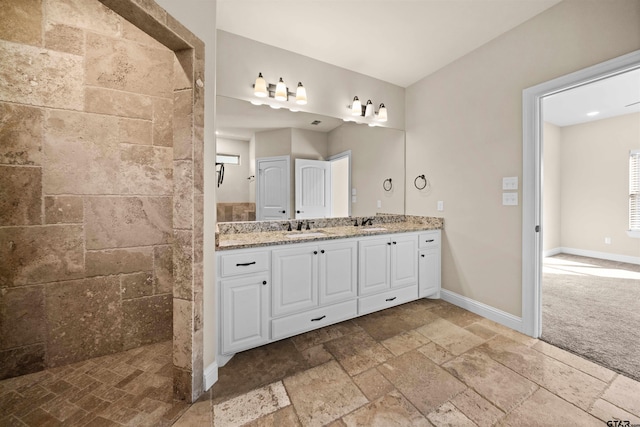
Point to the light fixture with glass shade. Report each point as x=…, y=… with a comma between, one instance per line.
x=382, y=113
x=260, y=87
x=301, y=94
x=356, y=107
x=368, y=111
x=281, y=91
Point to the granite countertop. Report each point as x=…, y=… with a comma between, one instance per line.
x=237, y=236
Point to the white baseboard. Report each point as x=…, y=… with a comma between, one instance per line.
x=601, y=255
x=552, y=252
x=484, y=310
x=210, y=375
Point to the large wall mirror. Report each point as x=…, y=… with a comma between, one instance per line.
x=279, y=164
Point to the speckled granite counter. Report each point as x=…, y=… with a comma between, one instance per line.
x=239, y=235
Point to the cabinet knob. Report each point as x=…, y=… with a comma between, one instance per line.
x=284, y=211
x=315, y=252
x=264, y=282
x=389, y=243
x=322, y=251
x=395, y=243
x=422, y=255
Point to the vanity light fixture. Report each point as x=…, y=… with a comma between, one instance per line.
x=260, y=87
x=301, y=94
x=279, y=91
x=368, y=111
x=357, y=109
x=382, y=113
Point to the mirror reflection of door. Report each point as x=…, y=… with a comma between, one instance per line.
x=313, y=188
x=272, y=183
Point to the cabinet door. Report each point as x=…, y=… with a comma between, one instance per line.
x=404, y=260
x=338, y=271
x=244, y=312
x=295, y=279
x=374, y=266
x=429, y=273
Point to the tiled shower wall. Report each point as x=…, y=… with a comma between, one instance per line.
x=86, y=183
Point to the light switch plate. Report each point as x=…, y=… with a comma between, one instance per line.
x=510, y=199
x=379, y=203
x=510, y=183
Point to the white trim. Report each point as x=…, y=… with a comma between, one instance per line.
x=484, y=310
x=210, y=375
x=552, y=252
x=634, y=234
x=602, y=255
x=223, y=359
x=532, y=180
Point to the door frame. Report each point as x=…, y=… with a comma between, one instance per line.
x=532, y=185
x=259, y=212
x=340, y=156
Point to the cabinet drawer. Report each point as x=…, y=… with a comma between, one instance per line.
x=429, y=239
x=313, y=319
x=387, y=299
x=243, y=263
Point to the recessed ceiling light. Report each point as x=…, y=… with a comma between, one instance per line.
x=593, y=113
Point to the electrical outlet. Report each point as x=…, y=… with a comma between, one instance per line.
x=440, y=205
x=607, y=240
x=379, y=203
x=510, y=199
x=354, y=199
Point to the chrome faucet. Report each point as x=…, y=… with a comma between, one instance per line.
x=299, y=227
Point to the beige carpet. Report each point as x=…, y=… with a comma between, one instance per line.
x=591, y=307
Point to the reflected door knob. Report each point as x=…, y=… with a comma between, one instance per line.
x=284, y=211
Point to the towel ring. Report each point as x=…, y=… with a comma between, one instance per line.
x=387, y=185
x=424, y=184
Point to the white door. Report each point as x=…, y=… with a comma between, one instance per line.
x=244, y=313
x=272, y=182
x=338, y=271
x=313, y=189
x=374, y=265
x=295, y=279
x=404, y=260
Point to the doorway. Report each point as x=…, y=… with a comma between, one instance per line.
x=533, y=227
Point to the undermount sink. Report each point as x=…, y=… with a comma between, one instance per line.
x=304, y=235
x=374, y=229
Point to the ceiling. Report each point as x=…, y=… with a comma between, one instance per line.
x=610, y=97
x=398, y=41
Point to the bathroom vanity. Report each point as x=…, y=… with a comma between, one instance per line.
x=273, y=284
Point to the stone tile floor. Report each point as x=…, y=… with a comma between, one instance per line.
x=420, y=364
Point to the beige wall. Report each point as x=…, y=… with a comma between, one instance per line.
x=464, y=131
x=235, y=186
x=308, y=144
x=595, y=184
x=376, y=154
x=551, y=187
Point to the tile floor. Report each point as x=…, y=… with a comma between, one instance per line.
x=420, y=364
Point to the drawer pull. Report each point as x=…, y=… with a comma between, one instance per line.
x=390, y=299
x=429, y=241
x=318, y=318
x=245, y=264
x=422, y=255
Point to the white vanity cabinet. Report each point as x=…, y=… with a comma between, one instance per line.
x=387, y=262
x=307, y=279
x=429, y=260
x=274, y=292
x=244, y=285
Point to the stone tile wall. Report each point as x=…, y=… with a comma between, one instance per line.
x=235, y=211
x=87, y=183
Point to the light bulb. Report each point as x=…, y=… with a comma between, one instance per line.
x=281, y=91
x=301, y=94
x=260, y=87
x=382, y=113
x=356, y=107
